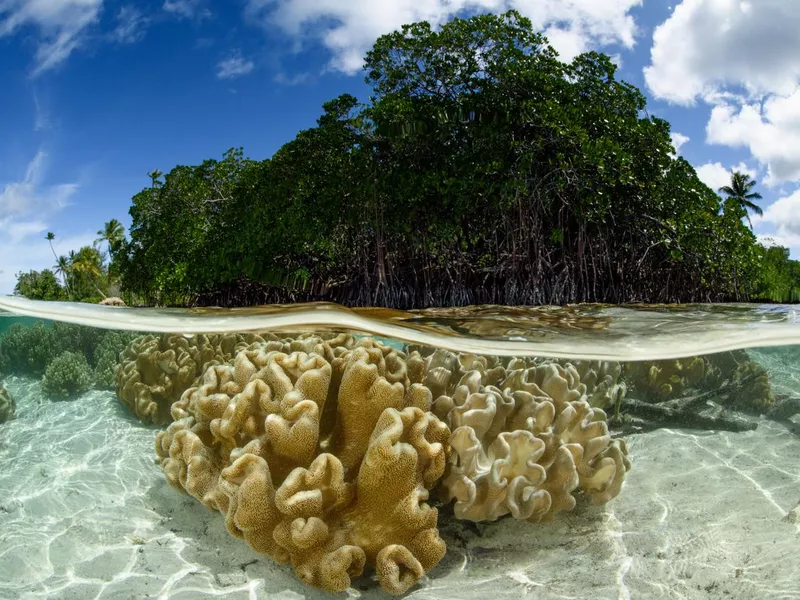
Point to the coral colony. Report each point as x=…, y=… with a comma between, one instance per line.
x=323, y=452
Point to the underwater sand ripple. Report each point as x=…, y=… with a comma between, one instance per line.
x=86, y=514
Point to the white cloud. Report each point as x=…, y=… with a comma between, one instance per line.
x=233, y=67
x=62, y=25
x=131, y=25
x=28, y=195
x=297, y=79
x=678, y=140
x=348, y=29
x=770, y=131
x=25, y=206
x=714, y=175
x=187, y=9
x=41, y=120
x=782, y=238
x=743, y=58
x=707, y=45
x=784, y=215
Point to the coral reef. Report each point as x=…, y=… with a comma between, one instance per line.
x=601, y=380
x=320, y=453
x=659, y=381
x=7, y=405
x=26, y=350
x=154, y=371
x=68, y=375
x=29, y=350
x=604, y=385
x=107, y=357
x=527, y=444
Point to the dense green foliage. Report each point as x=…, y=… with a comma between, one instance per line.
x=85, y=275
x=780, y=276
x=39, y=285
x=482, y=170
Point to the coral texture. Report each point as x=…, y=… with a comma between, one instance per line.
x=26, y=350
x=320, y=453
x=526, y=443
x=7, y=405
x=155, y=370
x=107, y=356
x=604, y=386
x=67, y=376
x=656, y=381
x=666, y=379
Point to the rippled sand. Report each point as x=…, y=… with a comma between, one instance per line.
x=85, y=513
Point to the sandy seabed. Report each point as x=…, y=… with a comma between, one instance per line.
x=86, y=513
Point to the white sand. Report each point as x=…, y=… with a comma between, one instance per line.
x=85, y=513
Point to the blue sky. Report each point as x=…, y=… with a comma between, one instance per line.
x=97, y=93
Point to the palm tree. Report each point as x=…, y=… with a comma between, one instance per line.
x=50, y=237
x=154, y=176
x=112, y=233
x=62, y=268
x=740, y=193
x=88, y=262
x=62, y=265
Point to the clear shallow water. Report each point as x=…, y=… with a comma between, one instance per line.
x=705, y=511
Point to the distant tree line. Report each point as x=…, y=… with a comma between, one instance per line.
x=482, y=170
x=83, y=276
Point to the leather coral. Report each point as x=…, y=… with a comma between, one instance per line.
x=527, y=444
x=323, y=459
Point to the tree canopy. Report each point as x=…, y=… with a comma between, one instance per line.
x=482, y=169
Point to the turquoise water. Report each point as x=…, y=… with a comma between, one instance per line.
x=282, y=455
x=7, y=320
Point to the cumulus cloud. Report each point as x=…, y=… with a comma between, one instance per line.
x=714, y=175
x=24, y=207
x=678, y=140
x=233, y=67
x=348, y=29
x=743, y=58
x=707, y=45
x=784, y=215
x=770, y=130
x=61, y=24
